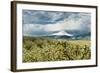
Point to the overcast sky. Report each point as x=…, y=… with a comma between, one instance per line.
x=38, y=22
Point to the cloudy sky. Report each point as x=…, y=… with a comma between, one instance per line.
x=39, y=22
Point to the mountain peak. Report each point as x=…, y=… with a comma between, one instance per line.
x=62, y=33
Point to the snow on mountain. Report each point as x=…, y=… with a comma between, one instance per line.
x=62, y=33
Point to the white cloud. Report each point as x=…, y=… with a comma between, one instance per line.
x=67, y=24
x=29, y=28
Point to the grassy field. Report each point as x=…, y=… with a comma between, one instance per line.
x=43, y=49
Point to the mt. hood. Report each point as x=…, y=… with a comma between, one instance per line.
x=62, y=33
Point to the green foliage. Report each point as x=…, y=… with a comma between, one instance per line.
x=43, y=49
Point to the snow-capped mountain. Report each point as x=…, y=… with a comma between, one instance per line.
x=62, y=33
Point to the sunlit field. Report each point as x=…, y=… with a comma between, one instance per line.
x=37, y=49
